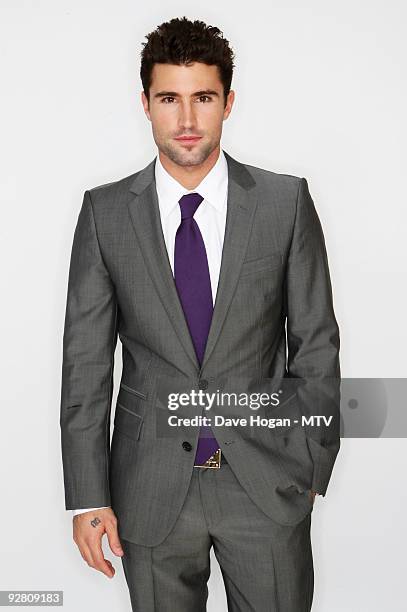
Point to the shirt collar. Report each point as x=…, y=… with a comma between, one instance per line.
x=213, y=187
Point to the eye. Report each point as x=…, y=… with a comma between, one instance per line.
x=167, y=98
x=205, y=96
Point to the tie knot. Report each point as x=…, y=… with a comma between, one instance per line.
x=189, y=203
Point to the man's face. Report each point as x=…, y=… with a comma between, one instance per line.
x=187, y=101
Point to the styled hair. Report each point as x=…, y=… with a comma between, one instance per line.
x=181, y=41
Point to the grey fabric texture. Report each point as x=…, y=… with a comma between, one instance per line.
x=265, y=566
x=273, y=321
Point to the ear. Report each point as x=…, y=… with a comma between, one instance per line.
x=229, y=103
x=145, y=104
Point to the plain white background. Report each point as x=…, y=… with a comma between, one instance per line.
x=320, y=93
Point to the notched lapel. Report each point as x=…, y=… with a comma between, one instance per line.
x=241, y=207
x=145, y=217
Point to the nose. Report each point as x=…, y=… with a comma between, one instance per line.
x=186, y=115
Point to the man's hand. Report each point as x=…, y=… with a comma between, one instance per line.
x=88, y=530
x=312, y=494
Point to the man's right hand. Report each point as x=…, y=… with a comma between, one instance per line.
x=88, y=530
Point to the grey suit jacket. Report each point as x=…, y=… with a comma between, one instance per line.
x=273, y=321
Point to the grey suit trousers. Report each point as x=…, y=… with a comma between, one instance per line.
x=266, y=567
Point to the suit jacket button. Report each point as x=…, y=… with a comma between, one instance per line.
x=186, y=446
x=203, y=383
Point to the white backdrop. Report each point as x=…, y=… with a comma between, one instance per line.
x=319, y=93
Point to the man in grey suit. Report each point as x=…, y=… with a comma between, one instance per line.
x=214, y=275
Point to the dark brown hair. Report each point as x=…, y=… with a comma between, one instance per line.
x=181, y=41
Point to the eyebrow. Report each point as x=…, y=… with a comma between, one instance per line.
x=174, y=94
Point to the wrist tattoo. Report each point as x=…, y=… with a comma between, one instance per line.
x=95, y=522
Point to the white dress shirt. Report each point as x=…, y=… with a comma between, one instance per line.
x=210, y=217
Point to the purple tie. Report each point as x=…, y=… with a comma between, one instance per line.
x=193, y=284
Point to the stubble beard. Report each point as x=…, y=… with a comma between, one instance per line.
x=193, y=156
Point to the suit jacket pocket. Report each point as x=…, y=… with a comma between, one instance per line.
x=288, y=409
x=269, y=262
x=130, y=410
x=133, y=391
x=127, y=422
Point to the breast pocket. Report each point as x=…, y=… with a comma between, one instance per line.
x=261, y=264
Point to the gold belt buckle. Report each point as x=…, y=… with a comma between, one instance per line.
x=213, y=461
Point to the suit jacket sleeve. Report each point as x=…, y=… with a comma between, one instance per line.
x=313, y=336
x=89, y=340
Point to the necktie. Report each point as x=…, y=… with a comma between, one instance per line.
x=192, y=279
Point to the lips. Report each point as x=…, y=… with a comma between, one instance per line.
x=188, y=138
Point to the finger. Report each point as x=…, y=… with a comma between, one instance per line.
x=85, y=553
x=98, y=561
x=113, y=538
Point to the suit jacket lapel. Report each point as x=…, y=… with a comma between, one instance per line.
x=146, y=221
x=241, y=206
x=145, y=216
